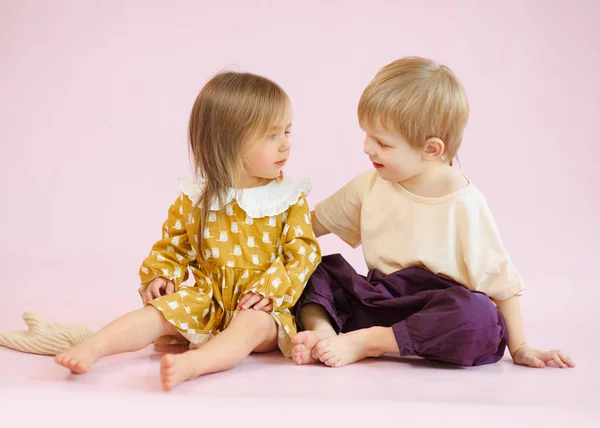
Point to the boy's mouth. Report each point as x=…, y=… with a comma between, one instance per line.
x=377, y=165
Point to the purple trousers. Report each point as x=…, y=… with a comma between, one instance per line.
x=432, y=317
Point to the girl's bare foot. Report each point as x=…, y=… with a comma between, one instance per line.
x=79, y=359
x=175, y=368
x=304, y=344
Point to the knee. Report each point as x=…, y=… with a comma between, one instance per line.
x=471, y=332
x=473, y=308
x=254, y=320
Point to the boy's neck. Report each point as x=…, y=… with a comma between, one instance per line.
x=435, y=181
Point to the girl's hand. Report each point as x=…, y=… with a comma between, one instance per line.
x=158, y=287
x=254, y=301
x=527, y=356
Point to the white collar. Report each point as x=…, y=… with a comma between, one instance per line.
x=263, y=201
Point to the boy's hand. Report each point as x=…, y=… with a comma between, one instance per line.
x=528, y=356
x=256, y=302
x=158, y=287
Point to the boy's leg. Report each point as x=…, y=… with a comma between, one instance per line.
x=456, y=326
x=315, y=320
x=327, y=306
x=356, y=345
x=249, y=331
x=130, y=332
x=451, y=325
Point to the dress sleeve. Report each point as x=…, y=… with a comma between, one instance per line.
x=300, y=255
x=171, y=255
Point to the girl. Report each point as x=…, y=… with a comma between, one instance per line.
x=244, y=231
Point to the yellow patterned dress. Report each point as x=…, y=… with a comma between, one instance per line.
x=260, y=239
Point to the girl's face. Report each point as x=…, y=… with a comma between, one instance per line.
x=265, y=157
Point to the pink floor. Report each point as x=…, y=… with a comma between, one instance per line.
x=270, y=390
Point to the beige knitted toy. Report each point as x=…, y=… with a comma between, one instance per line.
x=43, y=337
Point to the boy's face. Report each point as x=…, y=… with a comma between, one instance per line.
x=394, y=159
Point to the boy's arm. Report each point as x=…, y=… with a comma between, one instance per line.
x=318, y=228
x=520, y=352
x=511, y=312
x=492, y=272
x=340, y=213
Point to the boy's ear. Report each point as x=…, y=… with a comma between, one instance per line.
x=434, y=148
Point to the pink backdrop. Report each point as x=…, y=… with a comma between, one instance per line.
x=95, y=97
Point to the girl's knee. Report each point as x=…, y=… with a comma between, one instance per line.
x=260, y=326
x=254, y=319
x=165, y=327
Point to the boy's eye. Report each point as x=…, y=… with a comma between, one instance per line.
x=381, y=144
x=287, y=133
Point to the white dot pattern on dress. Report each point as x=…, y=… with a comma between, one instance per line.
x=266, y=254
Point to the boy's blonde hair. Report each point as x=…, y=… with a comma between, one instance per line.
x=419, y=99
x=230, y=110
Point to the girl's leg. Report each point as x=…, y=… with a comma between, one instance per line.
x=249, y=331
x=130, y=332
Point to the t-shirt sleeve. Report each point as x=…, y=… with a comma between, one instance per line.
x=488, y=264
x=340, y=213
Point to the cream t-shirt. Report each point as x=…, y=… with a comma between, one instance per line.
x=453, y=236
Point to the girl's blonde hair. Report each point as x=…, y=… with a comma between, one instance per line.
x=419, y=99
x=231, y=109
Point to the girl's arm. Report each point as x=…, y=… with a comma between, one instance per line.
x=299, y=255
x=171, y=255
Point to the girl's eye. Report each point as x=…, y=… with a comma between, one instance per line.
x=381, y=144
x=287, y=133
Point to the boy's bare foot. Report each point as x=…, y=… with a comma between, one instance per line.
x=345, y=349
x=175, y=368
x=79, y=359
x=304, y=344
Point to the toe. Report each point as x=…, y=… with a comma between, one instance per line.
x=80, y=368
x=321, y=349
x=298, y=339
x=332, y=361
x=326, y=356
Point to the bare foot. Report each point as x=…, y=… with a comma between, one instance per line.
x=79, y=359
x=174, y=369
x=341, y=350
x=304, y=343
